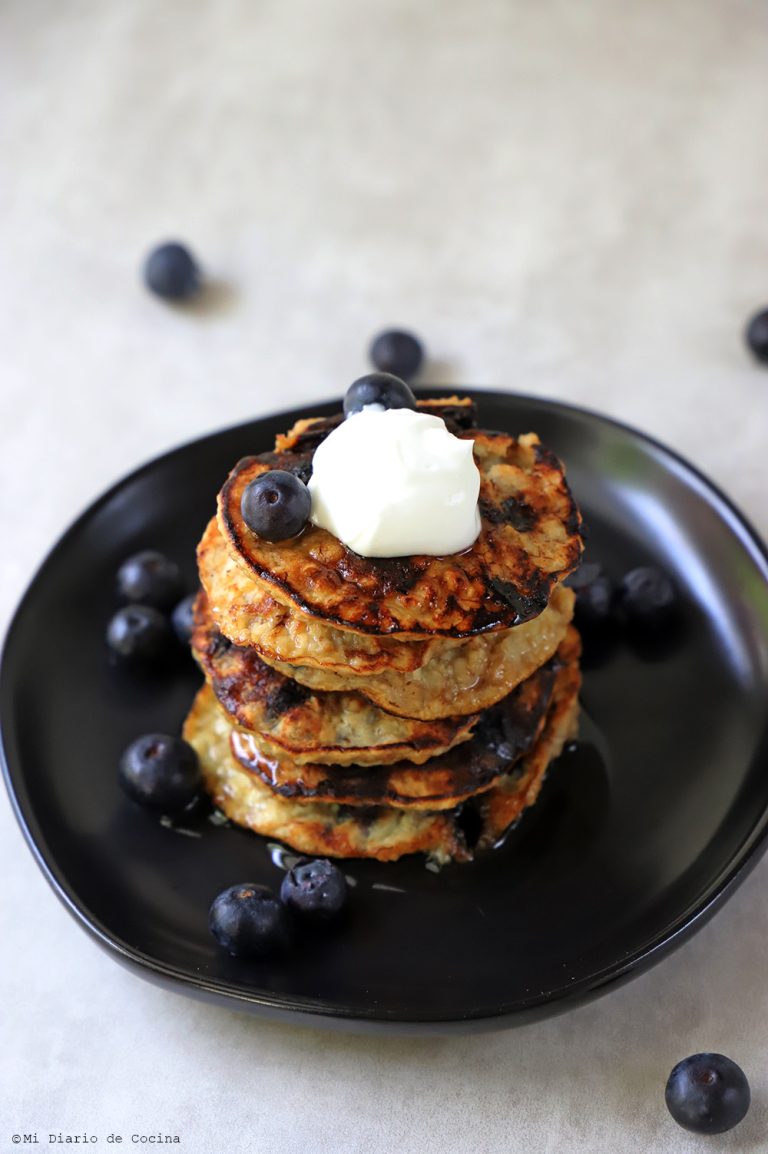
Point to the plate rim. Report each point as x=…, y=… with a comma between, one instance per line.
x=297, y=1009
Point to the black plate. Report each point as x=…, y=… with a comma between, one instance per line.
x=638, y=836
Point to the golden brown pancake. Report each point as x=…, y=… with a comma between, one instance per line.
x=530, y=539
x=386, y=833
x=311, y=725
x=458, y=679
x=504, y=734
x=317, y=829
x=248, y=614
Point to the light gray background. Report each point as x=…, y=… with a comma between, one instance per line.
x=564, y=198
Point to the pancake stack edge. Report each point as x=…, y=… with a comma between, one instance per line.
x=374, y=720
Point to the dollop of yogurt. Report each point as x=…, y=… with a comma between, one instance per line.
x=394, y=482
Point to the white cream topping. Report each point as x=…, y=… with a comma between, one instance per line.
x=394, y=482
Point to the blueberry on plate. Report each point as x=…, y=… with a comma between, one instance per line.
x=378, y=389
x=151, y=578
x=138, y=632
x=315, y=889
x=594, y=595
x=183, y=620
x=757, y=336
x=276, y=505
x=170, y=271
x=249, y=921
x=707, y=1093
x=161, y=772
x=647, y=597
x=397, y=352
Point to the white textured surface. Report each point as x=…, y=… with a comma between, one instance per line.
x=563, y=198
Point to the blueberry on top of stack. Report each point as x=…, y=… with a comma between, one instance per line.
x=378, y=703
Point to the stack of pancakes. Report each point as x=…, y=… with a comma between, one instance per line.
x=368, y=707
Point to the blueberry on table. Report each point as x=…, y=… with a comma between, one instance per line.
x=138, y=632
x=276, y=505
x=170, y=271
x=378, y=389
x=594, y=595
x=151, y=578
x=398, y=352
x=757, y=336
x=646, y=597
x=182, y=618
x=707, y=1093
x=249, y=921
x=161, y=772
x=315, y=889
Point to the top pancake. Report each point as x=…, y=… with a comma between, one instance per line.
x=529, y=540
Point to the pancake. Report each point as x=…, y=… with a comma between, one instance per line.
x=311, y=725
x=503, y=735
x=384, y=833
x=529, y=540
x=318, y=829
x=456, y=679
x=459, y=414
x=248, y=614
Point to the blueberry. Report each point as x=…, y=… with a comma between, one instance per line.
x=150, y=578
x=249, y=921
x=276, y=505
x=397, y=352
x=647, y=597
x=171, y=271
x=161, y=772
x=182, y=618
x=378, y=389
x=583, y=577
x=757, y=336
x=707, y=1093
x=138, y=632
x=315, y=889
x=594, y=595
